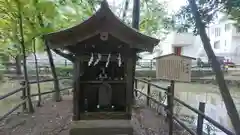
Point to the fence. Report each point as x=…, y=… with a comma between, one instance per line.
x=24, y=97
x=171, y=117
x=146, y=64
x=168, y=107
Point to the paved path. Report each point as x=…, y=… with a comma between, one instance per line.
x=226, y=77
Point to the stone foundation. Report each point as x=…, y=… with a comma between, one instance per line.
x=101, y=127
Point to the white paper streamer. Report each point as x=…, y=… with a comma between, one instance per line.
x=119, y=60
x=99, y=58
x=91, y=60
x=108, y=59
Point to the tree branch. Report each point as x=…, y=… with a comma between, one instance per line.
x=65, y=55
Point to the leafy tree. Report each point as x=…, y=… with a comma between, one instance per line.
x=47, y=9
x=232, y=9
x=10, y=41
x=22, y=42
x=197, y=14
x=37, y=72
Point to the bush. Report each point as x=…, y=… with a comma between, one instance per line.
x=64, y=71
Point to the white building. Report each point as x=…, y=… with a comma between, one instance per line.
x=225, y=39
x=182, y=43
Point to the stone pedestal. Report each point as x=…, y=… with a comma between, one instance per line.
x=101, y=127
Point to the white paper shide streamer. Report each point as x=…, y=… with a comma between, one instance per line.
x=108, y=59
x=91, y=60
x=98, y=59
x=119, y=60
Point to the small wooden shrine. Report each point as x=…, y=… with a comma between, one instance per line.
x=174, y=67
x=104, y=51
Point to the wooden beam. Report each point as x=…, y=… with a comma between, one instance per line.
x=77, y=90
x=130, y=66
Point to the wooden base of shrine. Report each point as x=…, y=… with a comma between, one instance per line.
x=101, y=127
x=105, y=115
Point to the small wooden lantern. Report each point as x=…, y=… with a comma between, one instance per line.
x=104, y=51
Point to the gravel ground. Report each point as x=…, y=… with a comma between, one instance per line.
x=55, y=118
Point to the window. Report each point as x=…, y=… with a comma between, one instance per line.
x=213, y=101
x=217, y=32
x=178, y=50
x=238, y=29
x=227, y=27
x=212, y=31
x=217, y=45
x=182, y=30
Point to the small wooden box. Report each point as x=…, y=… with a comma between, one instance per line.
x=101, y=127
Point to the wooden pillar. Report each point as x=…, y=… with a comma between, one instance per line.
x=24, y=105
x=200, y=120
x=148, y=91
x=76, y=90
x=136, y=14
x=170, y=107
x=130, y=74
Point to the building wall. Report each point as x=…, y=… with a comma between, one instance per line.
x=229, y=40
x=235, y=48
x=166, y=45
x=191, y=45
x=224, y=37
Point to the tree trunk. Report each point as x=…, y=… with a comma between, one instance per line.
x=22, y=42
x=57, y=95
x=125, y=10
x=37, y=73
x=228, y=101
x=18, y=65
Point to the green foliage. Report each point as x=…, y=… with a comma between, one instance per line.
x=233, y=10
x=61, y=14
x=154, y=18
x=4, y=57
x=208, y=10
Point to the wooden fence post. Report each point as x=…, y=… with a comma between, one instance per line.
x=23, y=97
x=170, y=108
x=136, y=86
x=151, y=64
x=168, y=102
x=65, y=63
x=148, y=91
x=200, y=118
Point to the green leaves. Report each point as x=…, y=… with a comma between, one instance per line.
x=61, y=14
x=208, y=12
x=232, y=8
x=154, y=18
x=46, y=8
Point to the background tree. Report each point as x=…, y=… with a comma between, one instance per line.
x=197, y=14
x=232, y=9
x=22, y=42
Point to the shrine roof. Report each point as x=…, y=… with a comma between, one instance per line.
x=103, y=20
x=173, y=54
